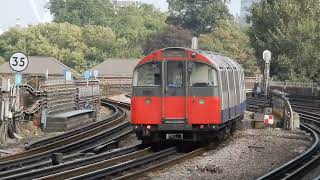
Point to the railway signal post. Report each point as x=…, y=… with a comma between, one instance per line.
x=267, y=60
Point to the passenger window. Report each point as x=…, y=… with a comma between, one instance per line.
x=147, y=75
x=202, y=75
x=174, y=74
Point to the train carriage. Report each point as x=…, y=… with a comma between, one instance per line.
x=186, y=94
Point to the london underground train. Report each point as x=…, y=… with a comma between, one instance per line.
x=186, y=94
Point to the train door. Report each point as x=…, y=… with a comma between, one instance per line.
x=174, y=95
x=203, y=104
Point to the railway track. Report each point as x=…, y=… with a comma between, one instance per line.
x=72, y=144
x=32, y=173
x=306, y=163
x=106, y=164
x=137, y=161
x=163, y=165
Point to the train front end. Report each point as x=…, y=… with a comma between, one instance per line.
x=175, y=97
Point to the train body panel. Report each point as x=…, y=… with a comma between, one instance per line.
x=178, y=90
x=174, y=108
x=146, y=110
x=204, y=110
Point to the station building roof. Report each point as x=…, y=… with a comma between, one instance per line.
x=116, y=67
x=38, y=65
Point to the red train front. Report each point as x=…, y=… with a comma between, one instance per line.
x=184, y=94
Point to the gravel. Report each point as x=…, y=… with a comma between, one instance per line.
x=121, y=98
x=248, y=154
x=131, y=140
x=103, y=113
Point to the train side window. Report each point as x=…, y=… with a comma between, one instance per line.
x=202, y=75
x=147, y=75
x=213, y=77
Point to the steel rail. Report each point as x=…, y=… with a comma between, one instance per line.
x=38, y=165
x=96, y=149
x=81, y=154
x=68, y=148
x=163, y=165
x=309, y=109
x=65, y=145
x=312, y=163
x=78, y=130
x=118, y=103
x=104, y=165
x=104, y=172
x=284, y=170
x=25, y=173
x=119, y=135
x=299, y=166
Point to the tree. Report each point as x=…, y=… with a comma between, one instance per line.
x=83, y=12
x=170, y=36
x=230, y=40
x=78, y=48
x=198, y=16
x=131, y=24
x=290, y=29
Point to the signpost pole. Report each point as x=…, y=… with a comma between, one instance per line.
x=18, y=63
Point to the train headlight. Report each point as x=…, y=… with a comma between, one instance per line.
x=148, y=101
x=201, y=101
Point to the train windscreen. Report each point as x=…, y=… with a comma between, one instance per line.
x=147, y=75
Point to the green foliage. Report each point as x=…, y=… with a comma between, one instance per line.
x=83, y=12
x=197, y=16
x=94, y=31
x=87, y=32
x=77, y=47
x=2, y=60
x=170, y=36
x=290, y=29
x=228, y=39
x=131, y=24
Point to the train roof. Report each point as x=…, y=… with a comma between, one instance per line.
x=179, y=53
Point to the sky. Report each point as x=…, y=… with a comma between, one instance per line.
x=28, y=11
x=234, y=6
x=33, y=11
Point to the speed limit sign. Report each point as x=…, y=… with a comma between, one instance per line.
x=18, y=62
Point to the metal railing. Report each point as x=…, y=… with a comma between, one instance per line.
x=295, y=84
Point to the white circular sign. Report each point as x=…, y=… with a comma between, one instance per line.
x=267, y=56
x=18, y=62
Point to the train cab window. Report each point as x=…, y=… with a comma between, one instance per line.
x=174, y=74
x=147, y=75
x=202, y=75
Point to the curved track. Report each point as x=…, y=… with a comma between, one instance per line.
x=165, y=164
x=66, y=169
x=74, y=142
x=137, y=161
x=304, y=164
x=103, y=165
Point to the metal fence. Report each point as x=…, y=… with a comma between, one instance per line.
x=294, y=84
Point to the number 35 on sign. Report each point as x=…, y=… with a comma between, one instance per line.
x=18, y=62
